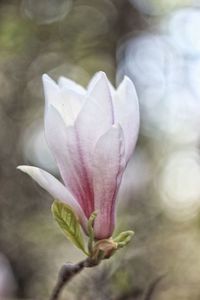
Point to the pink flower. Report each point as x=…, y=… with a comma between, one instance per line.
x=92, y=133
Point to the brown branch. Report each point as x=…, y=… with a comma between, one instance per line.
x=67, y=272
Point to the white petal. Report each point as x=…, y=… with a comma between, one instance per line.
x=95, y=118
x=94, y=80
x=51, y=91
x=97, y=76
x=126, y=110
x=112, y=89
x=99, y=93
x=108, y=167
x=70, y=84
x=70, y=105
x=55, y=188
x=67, y=102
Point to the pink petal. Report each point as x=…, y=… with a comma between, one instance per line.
x=108, y=166
x=56, y=189
x=94, y=119
x=63, y=143
x=126, y=109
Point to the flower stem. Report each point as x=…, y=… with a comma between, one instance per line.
x=67, y=272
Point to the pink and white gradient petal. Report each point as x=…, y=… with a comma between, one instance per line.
x=126, y=108
x=56, y=189
x=63, y=144
x=108, y=166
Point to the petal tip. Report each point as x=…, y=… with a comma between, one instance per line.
x=21, y=168
x=100, y=75
x=24, y=168
x=127, y=85
x=46, y=77
x=127, y=80
x=103, y=75
x=27, y=169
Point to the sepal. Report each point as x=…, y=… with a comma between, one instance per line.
x=69, y=223
x=123, y=238
x=97, y=249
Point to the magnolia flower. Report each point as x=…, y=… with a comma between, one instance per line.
x=92, y=133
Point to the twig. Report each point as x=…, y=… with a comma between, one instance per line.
x=67, y=272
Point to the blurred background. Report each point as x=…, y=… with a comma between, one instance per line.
x=157, y=44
